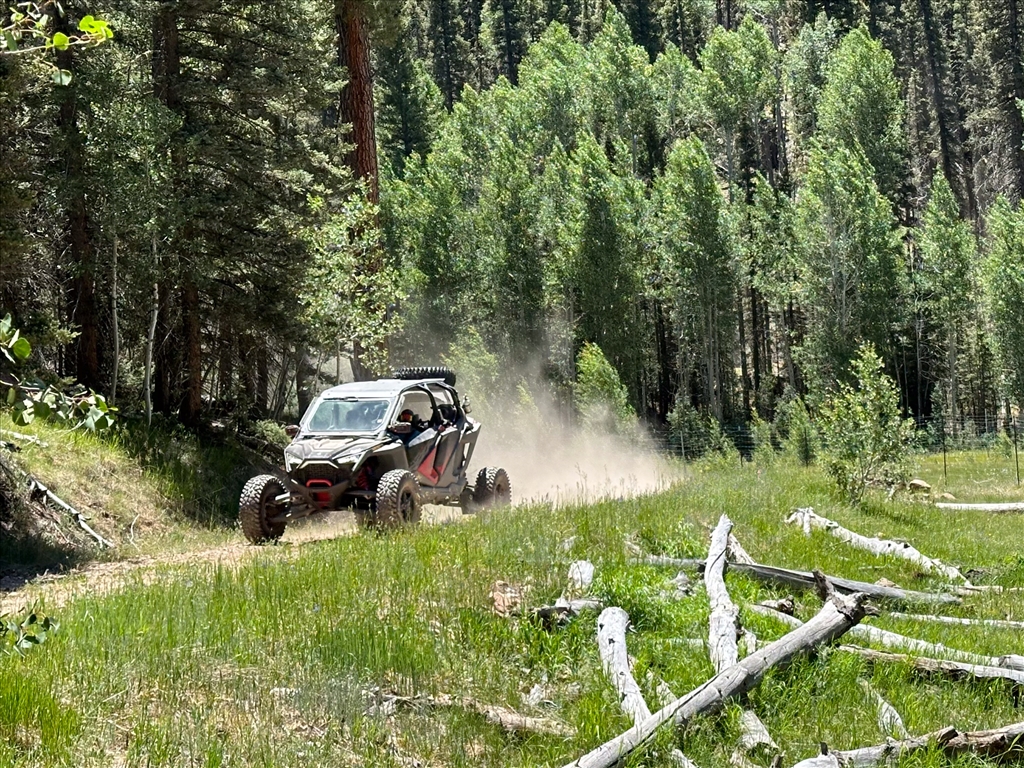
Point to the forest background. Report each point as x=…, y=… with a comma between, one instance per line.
x=722, y=199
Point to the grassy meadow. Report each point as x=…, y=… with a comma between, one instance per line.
x=279, y=659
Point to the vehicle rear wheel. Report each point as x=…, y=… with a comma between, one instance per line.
x=398, y=500
x=257, y=505
x=493, y=488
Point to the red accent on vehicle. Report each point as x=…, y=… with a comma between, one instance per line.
x=427, y=466
x=323, y=499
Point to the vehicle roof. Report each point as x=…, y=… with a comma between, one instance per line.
x=378, y=388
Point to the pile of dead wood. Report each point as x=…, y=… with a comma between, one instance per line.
x=845, y=603
x=22, y=494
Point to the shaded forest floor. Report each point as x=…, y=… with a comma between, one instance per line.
x=205, y=652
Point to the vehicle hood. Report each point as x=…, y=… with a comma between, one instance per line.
x=338, y=449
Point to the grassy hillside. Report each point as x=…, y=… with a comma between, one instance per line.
x=148, y=491
x=277, y=659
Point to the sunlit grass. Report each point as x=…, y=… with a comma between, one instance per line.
x=274, y=663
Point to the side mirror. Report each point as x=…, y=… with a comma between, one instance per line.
x=292, y=430
x=400, y=428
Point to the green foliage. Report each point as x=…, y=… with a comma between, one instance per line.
x=697, y=251
x=861, y=109
x=699, y=434
x=13, y=345
x=852, y=281
x=798, y=434
x=269, y=431
x=26, y=29
x=501, y=401
x=19, y=634
x=601, y=399
x=1004, y=291
x=76, y=407
x=806, y=64
x=865, y=438
x=344, y=300
x=763, y=435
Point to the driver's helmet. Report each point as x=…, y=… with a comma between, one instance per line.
x=407, y=416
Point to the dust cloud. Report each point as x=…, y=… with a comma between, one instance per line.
x=552, y=462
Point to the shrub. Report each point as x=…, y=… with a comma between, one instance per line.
x=600, y=395
x=866, y=439
x=798, y=435
x=699, y=434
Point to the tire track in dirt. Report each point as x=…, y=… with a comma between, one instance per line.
x=99, y=578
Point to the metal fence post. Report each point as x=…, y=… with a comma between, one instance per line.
x=1016, y=457
x=942, y=428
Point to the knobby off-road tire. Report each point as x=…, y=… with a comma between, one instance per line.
x=257, y=505
x=426, y=372
x=398, y=500
x=493, y=488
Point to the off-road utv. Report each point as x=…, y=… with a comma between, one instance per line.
x=383, y=448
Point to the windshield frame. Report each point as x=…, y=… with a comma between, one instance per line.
x=305, y=425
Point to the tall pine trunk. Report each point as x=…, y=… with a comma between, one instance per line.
x=355, y=107
x=81, y=292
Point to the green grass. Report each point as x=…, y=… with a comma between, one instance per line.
x=273, y=663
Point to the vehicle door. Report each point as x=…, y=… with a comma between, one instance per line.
x=421, y=442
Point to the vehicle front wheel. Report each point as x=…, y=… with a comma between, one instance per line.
x=493, y=488
x=257, y=505
x=398, y=499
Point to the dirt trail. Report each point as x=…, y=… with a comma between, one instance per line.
x=58, y=589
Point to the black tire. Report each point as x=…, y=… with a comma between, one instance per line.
x=257, y=505
x=493, y=488
x=398, y=500
x=426, y=372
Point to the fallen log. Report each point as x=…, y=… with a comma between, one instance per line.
x=897, y=641
x=805, y=580
x=809, y=520
x=955, y=670
x=927, y=617
x=571, y=602
x=25, y=438
x=611, y=642
x=723, y=648
x=37, y=489
x=503, y=717
x=833, y=621
x=1011, y=506
x=737, y=554
x=725, y=616
x=581, y=576
x=889, y=721
x=888, y=639
x=998, y=742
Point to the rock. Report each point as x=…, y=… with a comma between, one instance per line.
x=884, y=582
x=946, y=497
x=918, y=486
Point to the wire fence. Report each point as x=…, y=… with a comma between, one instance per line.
x=1000, y=436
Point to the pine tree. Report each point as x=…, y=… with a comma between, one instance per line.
x=408, y=103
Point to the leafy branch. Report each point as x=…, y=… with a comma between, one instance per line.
x=25, y=29
x=82, y=408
